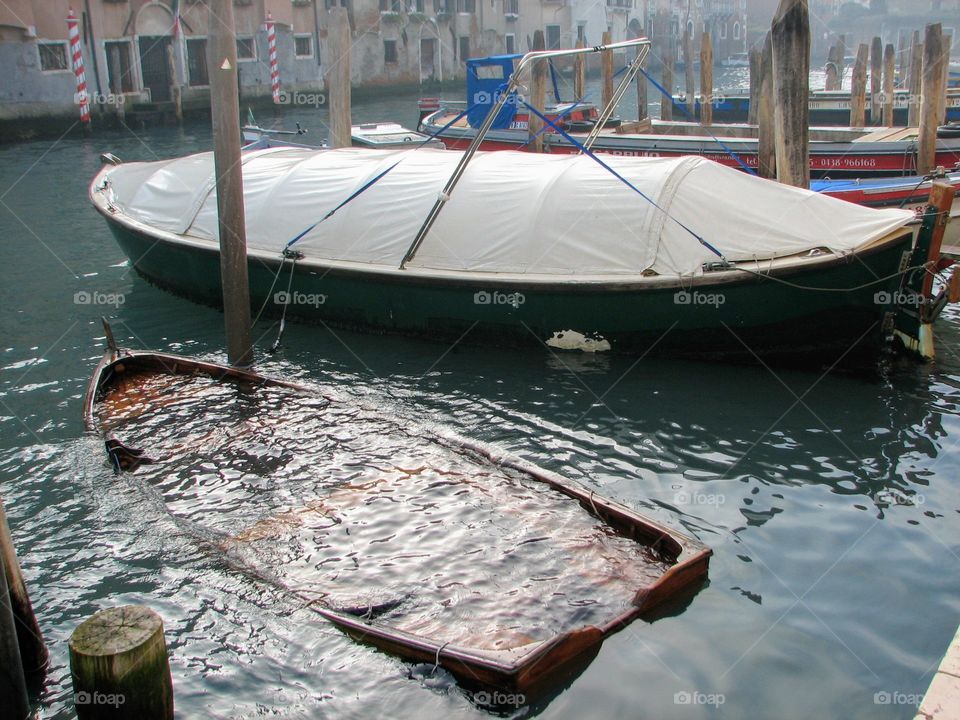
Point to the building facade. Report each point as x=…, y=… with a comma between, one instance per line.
x=146, y=51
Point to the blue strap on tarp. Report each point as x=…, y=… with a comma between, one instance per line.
x=373, y=181
x=559, y=117
x=622, y=179
x=666, y=93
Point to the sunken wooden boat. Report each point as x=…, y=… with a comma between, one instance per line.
x=505, y=574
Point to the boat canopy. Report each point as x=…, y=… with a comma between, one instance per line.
x=562, y=216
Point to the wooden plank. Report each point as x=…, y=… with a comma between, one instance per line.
x=889, y=68
x=932, y=89
x=858, y=88
x=538, y=94
x=706, y=79
x=790, y=39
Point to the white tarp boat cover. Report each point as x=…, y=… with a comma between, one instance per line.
x=512, y=212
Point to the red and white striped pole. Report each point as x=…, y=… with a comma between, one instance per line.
x=82, y=99
x=274, y=65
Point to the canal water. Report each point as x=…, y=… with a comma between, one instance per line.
x=830, y=499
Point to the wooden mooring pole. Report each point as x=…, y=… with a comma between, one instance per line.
x=790, y=37
x=119, y=666
x=916, y=80
x=889, y=69
x=876, y=79
x=706, y=80
x=579, y=73
x=33, y=651
x=338, y=78
x=13, y=685
x=538, y=94
x=225, y=111
x=858, y=89
x=831, y=71
x=606, y=69
x=932, y=90
x=688, y=77
x=942, y=97
x=642, y=100
x=766, y=147
x=756, y=64
x=666, y=80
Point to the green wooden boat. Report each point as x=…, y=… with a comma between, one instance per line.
x=531, y=250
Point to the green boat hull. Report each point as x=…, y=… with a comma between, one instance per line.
x=752, y=316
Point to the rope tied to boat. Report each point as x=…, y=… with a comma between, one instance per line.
x=590, y=154
x=294, y=256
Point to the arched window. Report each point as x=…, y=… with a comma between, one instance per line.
x=736, y=31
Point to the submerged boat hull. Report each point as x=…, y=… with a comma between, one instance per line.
x=742, y=315
x=530, y=668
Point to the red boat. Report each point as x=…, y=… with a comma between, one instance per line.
x=834, y=152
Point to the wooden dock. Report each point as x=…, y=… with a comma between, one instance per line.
x=942, y=701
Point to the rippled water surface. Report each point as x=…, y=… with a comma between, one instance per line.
x=830, y=498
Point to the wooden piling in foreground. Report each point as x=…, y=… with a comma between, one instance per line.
x=338, y=78
x=643, y=102
x=538, y=94
x=33, y=651
x=889, y=68
x=606, y=69
x=858, y=88
x=579, y=73
x=13, y=686
x=790, y=38
x=756, y=61
x=876, y=79
x=914, y=82
x=932, y=89
x=766, y=149
x=666, y=80
x=688, y=78
x=225, y=113
x=706, y=79
x=175, y=90
x=119, y=666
